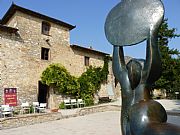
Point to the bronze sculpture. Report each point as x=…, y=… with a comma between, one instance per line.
x=129, y=23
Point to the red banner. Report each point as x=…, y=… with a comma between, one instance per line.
x=10, y=96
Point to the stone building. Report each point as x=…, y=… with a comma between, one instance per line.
x=30, y=42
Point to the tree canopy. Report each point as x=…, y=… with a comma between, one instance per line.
x=170, y=79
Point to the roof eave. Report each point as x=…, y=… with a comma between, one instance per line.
x=14, y=8
x=90, y=50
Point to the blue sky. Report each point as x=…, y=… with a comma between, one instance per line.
x=89, y=17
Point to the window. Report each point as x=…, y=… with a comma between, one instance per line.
x=86, y=61
x=45, y=28
x=44, y=53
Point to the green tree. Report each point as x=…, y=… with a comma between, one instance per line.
x=170, y=60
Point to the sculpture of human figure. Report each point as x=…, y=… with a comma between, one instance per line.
x=128, y=23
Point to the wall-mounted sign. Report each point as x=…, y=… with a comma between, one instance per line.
x=10, y=96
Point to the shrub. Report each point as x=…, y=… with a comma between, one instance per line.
x=61, y=105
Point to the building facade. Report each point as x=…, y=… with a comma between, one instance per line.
x=30, y=42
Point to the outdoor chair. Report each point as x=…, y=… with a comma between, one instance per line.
x=67, y=102
x=42, y=107
x=35, y=106
x=25, y=107
x=6, y=110
x=80, y=103
x=73, y=103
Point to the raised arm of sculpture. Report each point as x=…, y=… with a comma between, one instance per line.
x=121, y=73
x=152, y=67
x=119, y=68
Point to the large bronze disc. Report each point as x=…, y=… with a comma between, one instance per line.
x=129, y=22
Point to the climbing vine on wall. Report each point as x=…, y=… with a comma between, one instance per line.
x=83, y=87
x=57, y=76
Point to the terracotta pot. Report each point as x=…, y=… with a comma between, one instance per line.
x=54, y=110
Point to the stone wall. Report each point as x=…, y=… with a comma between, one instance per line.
x=28, y=120
x=14, y=65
